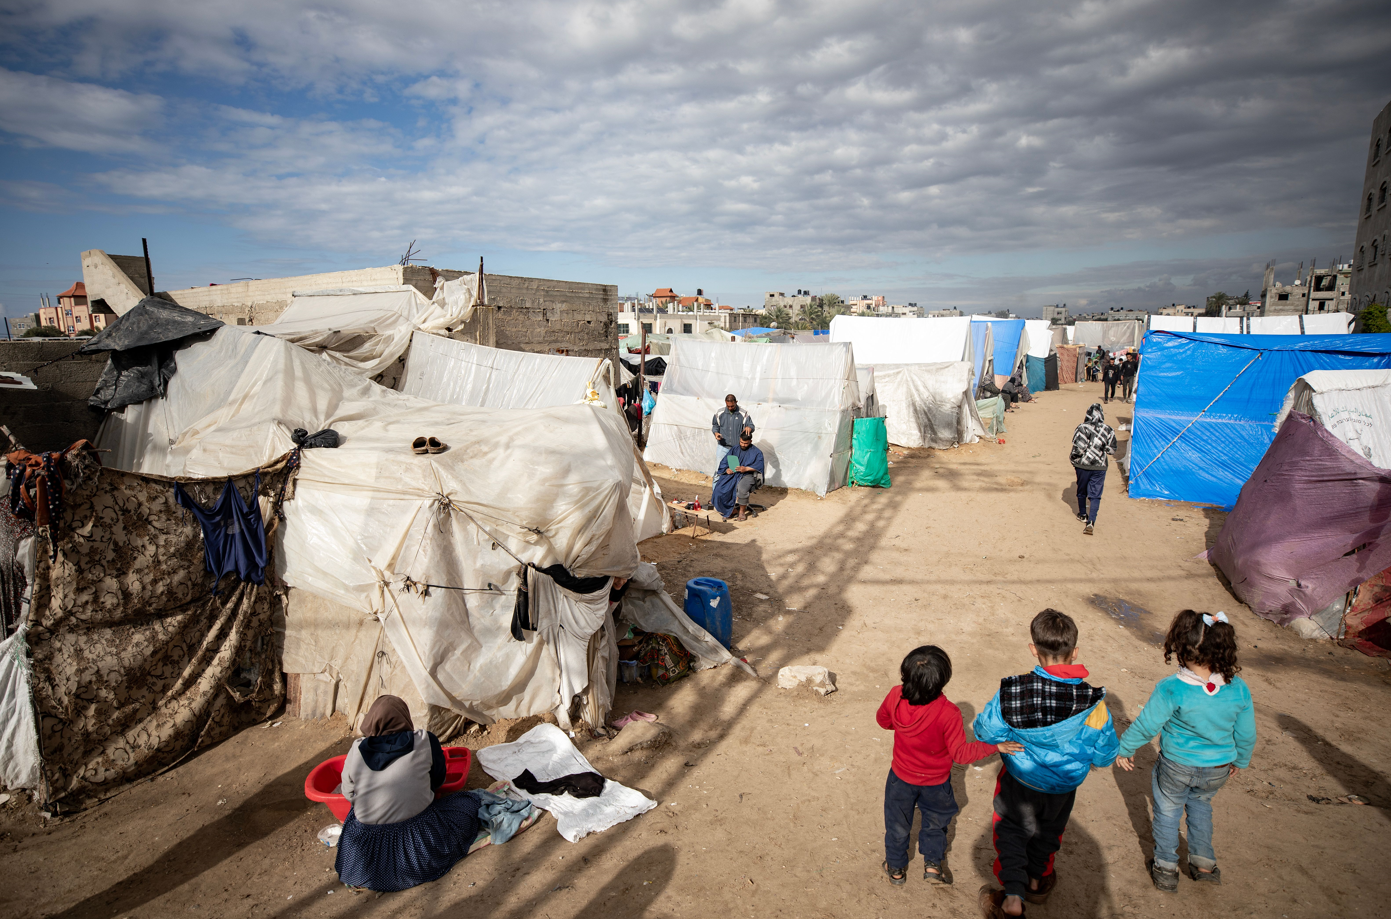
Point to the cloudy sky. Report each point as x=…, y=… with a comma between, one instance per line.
x=984, y=155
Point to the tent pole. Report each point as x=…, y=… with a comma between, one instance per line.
x=149, y=277
x=642, y=385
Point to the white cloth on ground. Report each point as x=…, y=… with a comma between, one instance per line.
x=549, y=754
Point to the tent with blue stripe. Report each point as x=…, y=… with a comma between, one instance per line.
x=1206, y=405
x=1010, y=346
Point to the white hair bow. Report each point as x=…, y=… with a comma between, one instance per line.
x=1209, y=620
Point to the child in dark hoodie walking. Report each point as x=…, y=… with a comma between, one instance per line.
x=928, y=738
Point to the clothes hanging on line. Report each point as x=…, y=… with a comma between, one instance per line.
x=234, y=536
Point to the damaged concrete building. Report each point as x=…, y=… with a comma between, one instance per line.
x=538, y=315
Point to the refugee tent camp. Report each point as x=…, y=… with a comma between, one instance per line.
x=368, y=330
x=802, y=399
x=1010, y=345
x=461, y=373
x=1109, y=336
x=929, y=405
x=905, y=340
x=1314, y=520
x=924, y=376
x=405, y=569
x=1205, y=403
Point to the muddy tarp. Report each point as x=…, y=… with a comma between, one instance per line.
x=142, y=345
x=1312, y=522
x=135, y=663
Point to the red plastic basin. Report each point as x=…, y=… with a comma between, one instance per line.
x=323, y=778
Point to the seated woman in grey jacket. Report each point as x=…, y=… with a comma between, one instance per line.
x=397, y=834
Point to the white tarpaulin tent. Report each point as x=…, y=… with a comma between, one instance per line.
x=1171, y=323
x=1040, y=332
x=929, y=405
x=368, y=330
x=1110, y=336
x=1327, y=323
x=869, y=406
x=460, y=373
x=1275, y=325
x=1217, y=325
x=1354, y=405
x=882, y=340
x=421, y=554
x=802, y=399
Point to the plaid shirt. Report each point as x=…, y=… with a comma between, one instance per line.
x=1033, y=701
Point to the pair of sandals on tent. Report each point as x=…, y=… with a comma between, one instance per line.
x=423, y=445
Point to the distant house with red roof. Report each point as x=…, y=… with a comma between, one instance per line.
x=665, y=296
x=74, y=314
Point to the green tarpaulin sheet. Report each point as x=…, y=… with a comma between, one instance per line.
x=992, y=415
x=869, y=461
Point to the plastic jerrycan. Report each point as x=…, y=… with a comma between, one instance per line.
x=707, y=603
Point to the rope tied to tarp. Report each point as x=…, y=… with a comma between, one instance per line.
x=1190, y=424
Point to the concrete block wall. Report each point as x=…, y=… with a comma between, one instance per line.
x=106, y=278
x=56, y=415
x=524, y=314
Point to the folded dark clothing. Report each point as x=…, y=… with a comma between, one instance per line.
x=328, y=437
x=579, y=784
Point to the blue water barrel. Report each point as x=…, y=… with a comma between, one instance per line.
x=707, y=603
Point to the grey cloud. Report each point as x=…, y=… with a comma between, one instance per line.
x=76, y=116
x=766, y=136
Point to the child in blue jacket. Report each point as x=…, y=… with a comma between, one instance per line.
x=1207, y=729
x=1066, y=730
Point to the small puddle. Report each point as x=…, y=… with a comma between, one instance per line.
x=1136, y=618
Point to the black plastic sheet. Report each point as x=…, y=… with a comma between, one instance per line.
x=142, y=345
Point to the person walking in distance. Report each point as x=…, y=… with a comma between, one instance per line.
x=1092, y=442
x=1129, y=367
x=1110, y=376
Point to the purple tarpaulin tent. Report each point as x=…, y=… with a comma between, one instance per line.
x=1312, y=522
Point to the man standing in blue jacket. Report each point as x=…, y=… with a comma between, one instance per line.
x=1066, y=730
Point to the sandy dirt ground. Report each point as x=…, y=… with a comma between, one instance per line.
x=770, y=801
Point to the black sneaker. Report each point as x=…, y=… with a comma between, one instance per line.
x=1165, y=879
x=1087, y=530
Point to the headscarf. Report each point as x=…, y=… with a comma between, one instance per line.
x=388, y=715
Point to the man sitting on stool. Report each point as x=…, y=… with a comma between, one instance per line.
x=741, y=475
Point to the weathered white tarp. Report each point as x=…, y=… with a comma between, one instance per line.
x=1354, y=405
x=929, y=405
x=904, y=340
x=1217, y=325
x=1327, y=323
x=19, y=736
x=1171, y=323
x=368, y=330
x=1275, y=325
x=460, y=373
x=427, y=545
x=1040, y=332
x=802, y=399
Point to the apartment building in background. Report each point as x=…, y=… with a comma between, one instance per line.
x=1371, y=269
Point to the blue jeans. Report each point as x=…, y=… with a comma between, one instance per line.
x=938, y=806
x=1090, y=482
x=1175, y=788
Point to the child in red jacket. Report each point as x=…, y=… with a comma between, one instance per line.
x=928, y=738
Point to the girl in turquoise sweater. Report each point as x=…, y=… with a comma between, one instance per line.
x=1207, y=730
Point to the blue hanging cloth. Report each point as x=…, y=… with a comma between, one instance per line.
x=234, y=536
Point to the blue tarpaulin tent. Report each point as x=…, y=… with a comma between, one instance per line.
x=1206, y=405
x=1034, y=375
x=1009, y=342
x=980, y=347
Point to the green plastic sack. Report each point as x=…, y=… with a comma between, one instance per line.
x=869, y=457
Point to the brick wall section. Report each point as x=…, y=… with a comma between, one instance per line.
x=57, y=414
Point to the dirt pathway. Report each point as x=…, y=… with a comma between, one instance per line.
x=770, y=800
